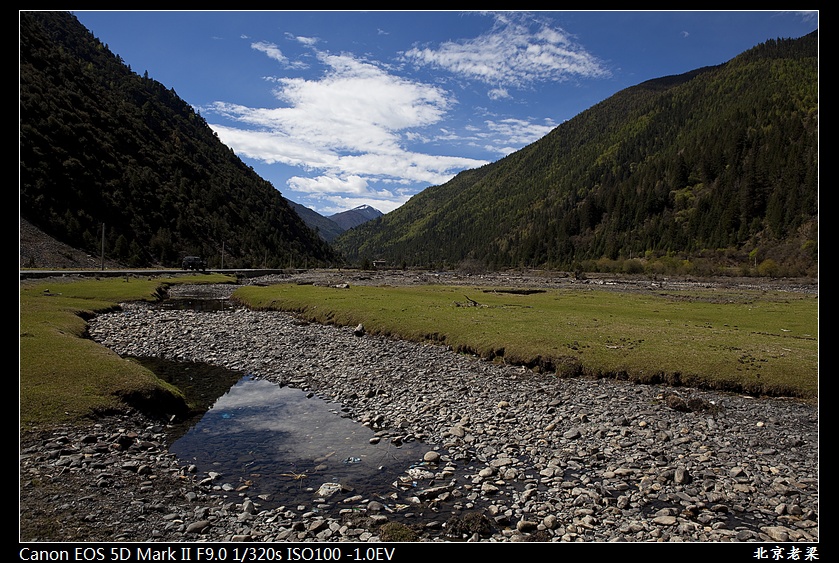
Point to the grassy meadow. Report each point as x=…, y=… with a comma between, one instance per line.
x=748, y=341
x=745, y=341
x=64, y=376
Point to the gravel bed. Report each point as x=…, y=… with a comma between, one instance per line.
x=509, y=454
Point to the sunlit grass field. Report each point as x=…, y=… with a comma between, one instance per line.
x=750, y=341
x=64, y=376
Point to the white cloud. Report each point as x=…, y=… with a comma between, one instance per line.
x=269, y=49
x=519, y=131
x=349, y=126
x=518, y=51
x=505, y=136
x=498, y=94
x=357, y=106
x=331, y=185
x=308, y=41
x=351, y=131
x=273, y=147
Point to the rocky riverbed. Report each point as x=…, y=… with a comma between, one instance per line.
x=507, y=454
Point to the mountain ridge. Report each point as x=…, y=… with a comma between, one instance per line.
x=331, y=226
x=354, y=217
x=712, y=170
x=112, y=159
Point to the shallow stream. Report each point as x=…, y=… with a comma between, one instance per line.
x=282, y=445
x=289, y=447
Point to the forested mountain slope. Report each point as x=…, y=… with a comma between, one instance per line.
x=102, y=145
x=708, y=172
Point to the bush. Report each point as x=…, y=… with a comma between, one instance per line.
x=768, y=268
x=633, y=266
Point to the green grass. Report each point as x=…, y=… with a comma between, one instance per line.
x=756, y=342
x=746, y=341
x=65, y=377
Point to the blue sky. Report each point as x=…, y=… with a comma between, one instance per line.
x=344, y=108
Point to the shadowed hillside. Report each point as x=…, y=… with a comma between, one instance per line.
x=103, y=147
x=711, y=172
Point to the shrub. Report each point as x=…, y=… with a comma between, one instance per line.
x=768, y=268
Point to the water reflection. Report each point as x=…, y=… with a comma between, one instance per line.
x=284, y=445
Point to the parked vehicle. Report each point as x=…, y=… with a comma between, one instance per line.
x=194, y=263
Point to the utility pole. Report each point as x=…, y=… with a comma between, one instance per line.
x=103, y=246
x=222, y=255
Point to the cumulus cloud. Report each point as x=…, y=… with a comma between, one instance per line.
x=353, y=131
x=352, y=184
x=518, y=51
x=349, y=126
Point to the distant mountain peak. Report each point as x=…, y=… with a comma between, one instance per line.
x=329, y=227
x=364, y=208
x=356, y=216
